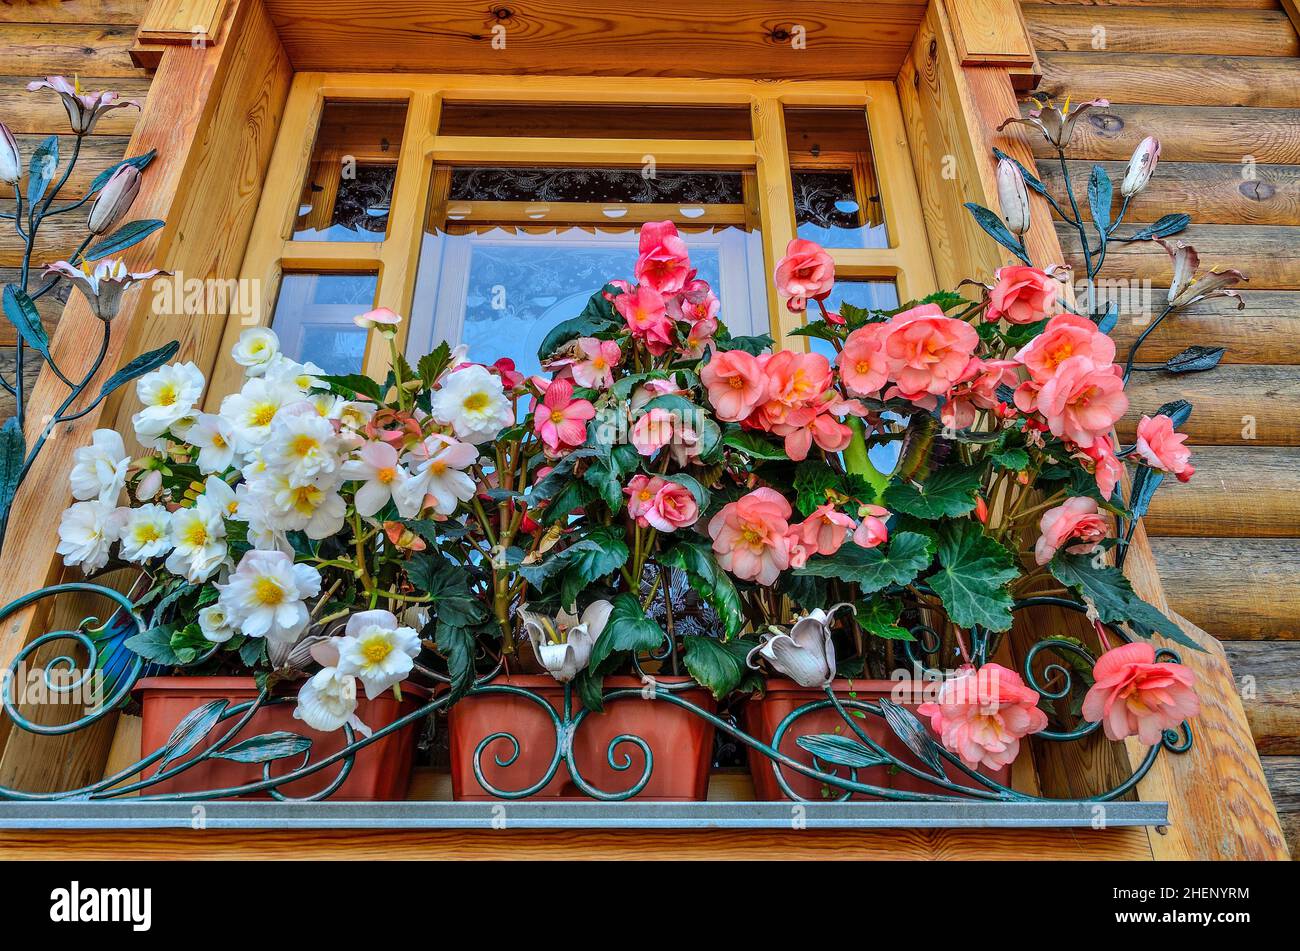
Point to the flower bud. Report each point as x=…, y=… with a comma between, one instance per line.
x=1140, y=166
x=149, y=485
x=1012, y=197
x=11, y=163
x=114, y=200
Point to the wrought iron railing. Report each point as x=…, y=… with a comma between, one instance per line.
x=837, y=759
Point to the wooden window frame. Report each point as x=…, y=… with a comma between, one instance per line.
x=272, y=251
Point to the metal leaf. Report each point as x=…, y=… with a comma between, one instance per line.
x=12, y=452
x=124, y=237
x=913, y=734
x=267, y=747
x=138, y=367
x=841, y=750
x=191, y=731
x=22, y=313
x=1195, y=359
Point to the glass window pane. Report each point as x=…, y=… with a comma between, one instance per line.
x=313, y=318
x=836, y=191
x=353, y=166
x=595, y=121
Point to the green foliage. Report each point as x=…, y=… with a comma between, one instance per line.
x=949, y=491
x=716, y=664
x=707, y=578
x=1106, y=589
x=874, y=569
x=972, y=577
x=628, y=631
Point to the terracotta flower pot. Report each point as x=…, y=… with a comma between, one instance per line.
x=380, y=771
x=680, y=742
x=763, y=715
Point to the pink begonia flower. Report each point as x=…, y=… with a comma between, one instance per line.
x=1162, y=448
x=796, y=384
x=620, y=287
x=1107, y=469
x=862, y=361
x=1080, y=403
x=380, y=317
x=1022, y=295
x=926, y=352
x=672, y=507
x=640, y=491
x=699, y=337
x=824, y=531
x=795, y=545
x=646, y=314
x=823, y=429
x=736, y=384
x=806, y=272
x=652, y=390
x=1075, y=519
x=871, y=531
x=660, y=428
x=663, y=262
x=1133, y=695
x=511, y=378
x=84, y=108
x=597, y=369
x=976, y=389
x=1065, y=336
x=749, y=536
x=982, y=715
x=560, y=420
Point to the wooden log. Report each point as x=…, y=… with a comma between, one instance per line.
x=1174, y=79
x=31, y=370
x=1239, y=588
x=41, y=113
x=1269, y=256
x=1242, y=32
x=97, y=153
x=1266, y=330
x=121, y=12
x=1268, y=676
x=1103, y=5
x=1212, y=193
x=1283, y=774
x=1186, y=134
x=1233, y=405
x=68, y=49
x=1236, y=492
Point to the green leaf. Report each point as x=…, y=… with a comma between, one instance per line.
x=590, y=690
x=628, y=629
x=191, y=731
x=949, y=491
x=754, y=445
x=431, y=365
x=154, y=644
x=145, y=363
x=41, y=169
x=447, y=586
x=265, y=748
x=597, y=317
x=716, y=664
x=879, y=618
x=751, y=345
x=997, y=230
x=972, y=577
x=601, y=553
x=1100, y=196
x=141, y=162
x=1113, y=596
x=1013, y=458
x=811, y=480
x=456, y=645
x=130, y=234
x=692, y=485
x=840, y=750
x=22, y=313
x=706, y=577
x=12, y=452
x=872, y=569
x=353, y=384
x=253, y=651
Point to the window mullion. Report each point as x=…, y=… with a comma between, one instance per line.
x=776, y=207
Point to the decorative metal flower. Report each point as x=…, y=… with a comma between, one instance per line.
x=1055, y=122
x=103, y=284
x=84, y=108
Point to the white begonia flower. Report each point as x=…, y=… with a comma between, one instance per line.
x=377, y=650
x=327, y=405
x=253, y=409
x=215, y=624
x=99, y=470
x=354, y=414
x=301, y=376
x=807, y=654
x=198, y=537
x=378, y=467
x=169, y=395
x=265, y=594
x=215, y=439
x=218, y=493
x=563, y=644
x=87, y=531
x=146, y=532
x=256, y=349
x=328, y=702
x=301, y=446
x=436, y=473
x=313, y=506
x=473, y=403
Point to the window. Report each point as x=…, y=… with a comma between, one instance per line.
x=487, y=209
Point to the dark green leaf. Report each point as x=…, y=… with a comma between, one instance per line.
x=12, y=452
x=840, y=750
x=949, y=491
x=154, y=644
x=751, y=345
x=22, y=313
x=1110, y=593
x=708, y=580
x=265, y=748
x=972, y=577
x=145, y=363
x=628, y=629
x=879, y=618
x=353, y=384
x=753, y=445
x=590, y=690
x=141, y=162
x=448, y=587
x=716, y=664
x=431, y=365
x=41, y=169
x=130, y=234
x=597, y=317
x=997, y=230
x=1162, y=228
x=871, y=568
x=602, y=552
x=253, y=651
x=456, y=645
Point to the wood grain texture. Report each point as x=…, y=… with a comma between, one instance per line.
x=1156, y=30
x=989, y=33
x=1212, y=193
x=632, y=844
x=66, y=48
x=1233, y=405
x=1249, y=586
x=1266, y=330
x=727, y=38
x=121, y=12
x=42, y=112
x=1251, y=492
x=1268, y=674
x=1283, y=774
x=1174, y=79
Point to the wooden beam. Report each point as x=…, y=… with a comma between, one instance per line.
x=990, y=33
x=184, y=22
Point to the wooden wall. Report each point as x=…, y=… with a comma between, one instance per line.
x=88, y=38
x=1219, y=84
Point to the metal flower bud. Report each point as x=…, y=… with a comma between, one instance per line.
x=807, y=654
x=1013, y=197
x=11, y=163
x=1140, y=166
x=563, y=644
x=114, y=199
